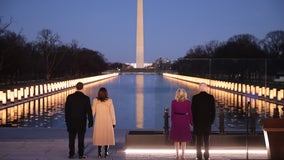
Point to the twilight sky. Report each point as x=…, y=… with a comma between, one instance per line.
x=171, y=27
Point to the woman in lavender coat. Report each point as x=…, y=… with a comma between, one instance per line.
x=181, y=119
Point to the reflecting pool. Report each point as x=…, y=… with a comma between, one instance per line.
x=140, y=100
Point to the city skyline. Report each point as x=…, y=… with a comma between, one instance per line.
x=171, y=28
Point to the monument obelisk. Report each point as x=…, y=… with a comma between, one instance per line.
x=140, y=36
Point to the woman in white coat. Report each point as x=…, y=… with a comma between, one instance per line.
x=104, y=113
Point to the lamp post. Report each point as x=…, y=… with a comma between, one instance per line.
x=166, y=121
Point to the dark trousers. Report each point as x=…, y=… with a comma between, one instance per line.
x=202, y=138
x=72, y=137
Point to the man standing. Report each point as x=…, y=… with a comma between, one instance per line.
x=203, y=113
x=77, y=110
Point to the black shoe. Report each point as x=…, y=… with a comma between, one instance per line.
x=106, y=154
x=82, y=157
x=71, y=156
x=99, y=152
x=106, y=151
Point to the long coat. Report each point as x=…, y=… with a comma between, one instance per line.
x=181, y=118
x=203, y=112
x=104, y=120
x=77, y=111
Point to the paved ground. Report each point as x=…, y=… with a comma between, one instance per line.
x=52, y=144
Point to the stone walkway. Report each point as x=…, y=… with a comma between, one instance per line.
x=52, y=144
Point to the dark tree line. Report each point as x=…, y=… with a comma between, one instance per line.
x=45, y=59
x=241, y=58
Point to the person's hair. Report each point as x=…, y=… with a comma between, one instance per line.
x=181, y=95
x=202, y=86
x=102, y=94
x=79, y=86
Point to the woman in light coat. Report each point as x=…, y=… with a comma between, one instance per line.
x=104, y=113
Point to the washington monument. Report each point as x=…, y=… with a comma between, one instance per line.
x=140, y=36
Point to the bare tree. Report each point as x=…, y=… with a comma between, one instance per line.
x=273, y=44
x=240, y=46
x=74, y=45
x=211, y=47
x=48, y=43
x=4, y=26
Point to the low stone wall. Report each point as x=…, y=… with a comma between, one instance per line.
x=157, y=139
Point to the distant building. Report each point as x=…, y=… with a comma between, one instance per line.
x=134, y=64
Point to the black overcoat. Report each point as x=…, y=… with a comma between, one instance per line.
x=77, y=111
x=203, y=112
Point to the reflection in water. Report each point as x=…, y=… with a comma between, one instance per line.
x=139, y=101
x=42, y=112
x=236, y=107
x=233, y=107
x=47, y=112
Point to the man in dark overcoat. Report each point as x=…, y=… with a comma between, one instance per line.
x=203, y=113
x=77, y=111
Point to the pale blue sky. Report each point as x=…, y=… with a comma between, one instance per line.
x=171, y=27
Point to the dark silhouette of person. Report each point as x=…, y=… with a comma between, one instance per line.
x=77, y=111
x=203, y=113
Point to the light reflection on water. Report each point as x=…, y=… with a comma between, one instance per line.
x=139, y=102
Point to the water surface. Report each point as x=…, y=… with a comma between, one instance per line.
x=139, y=100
